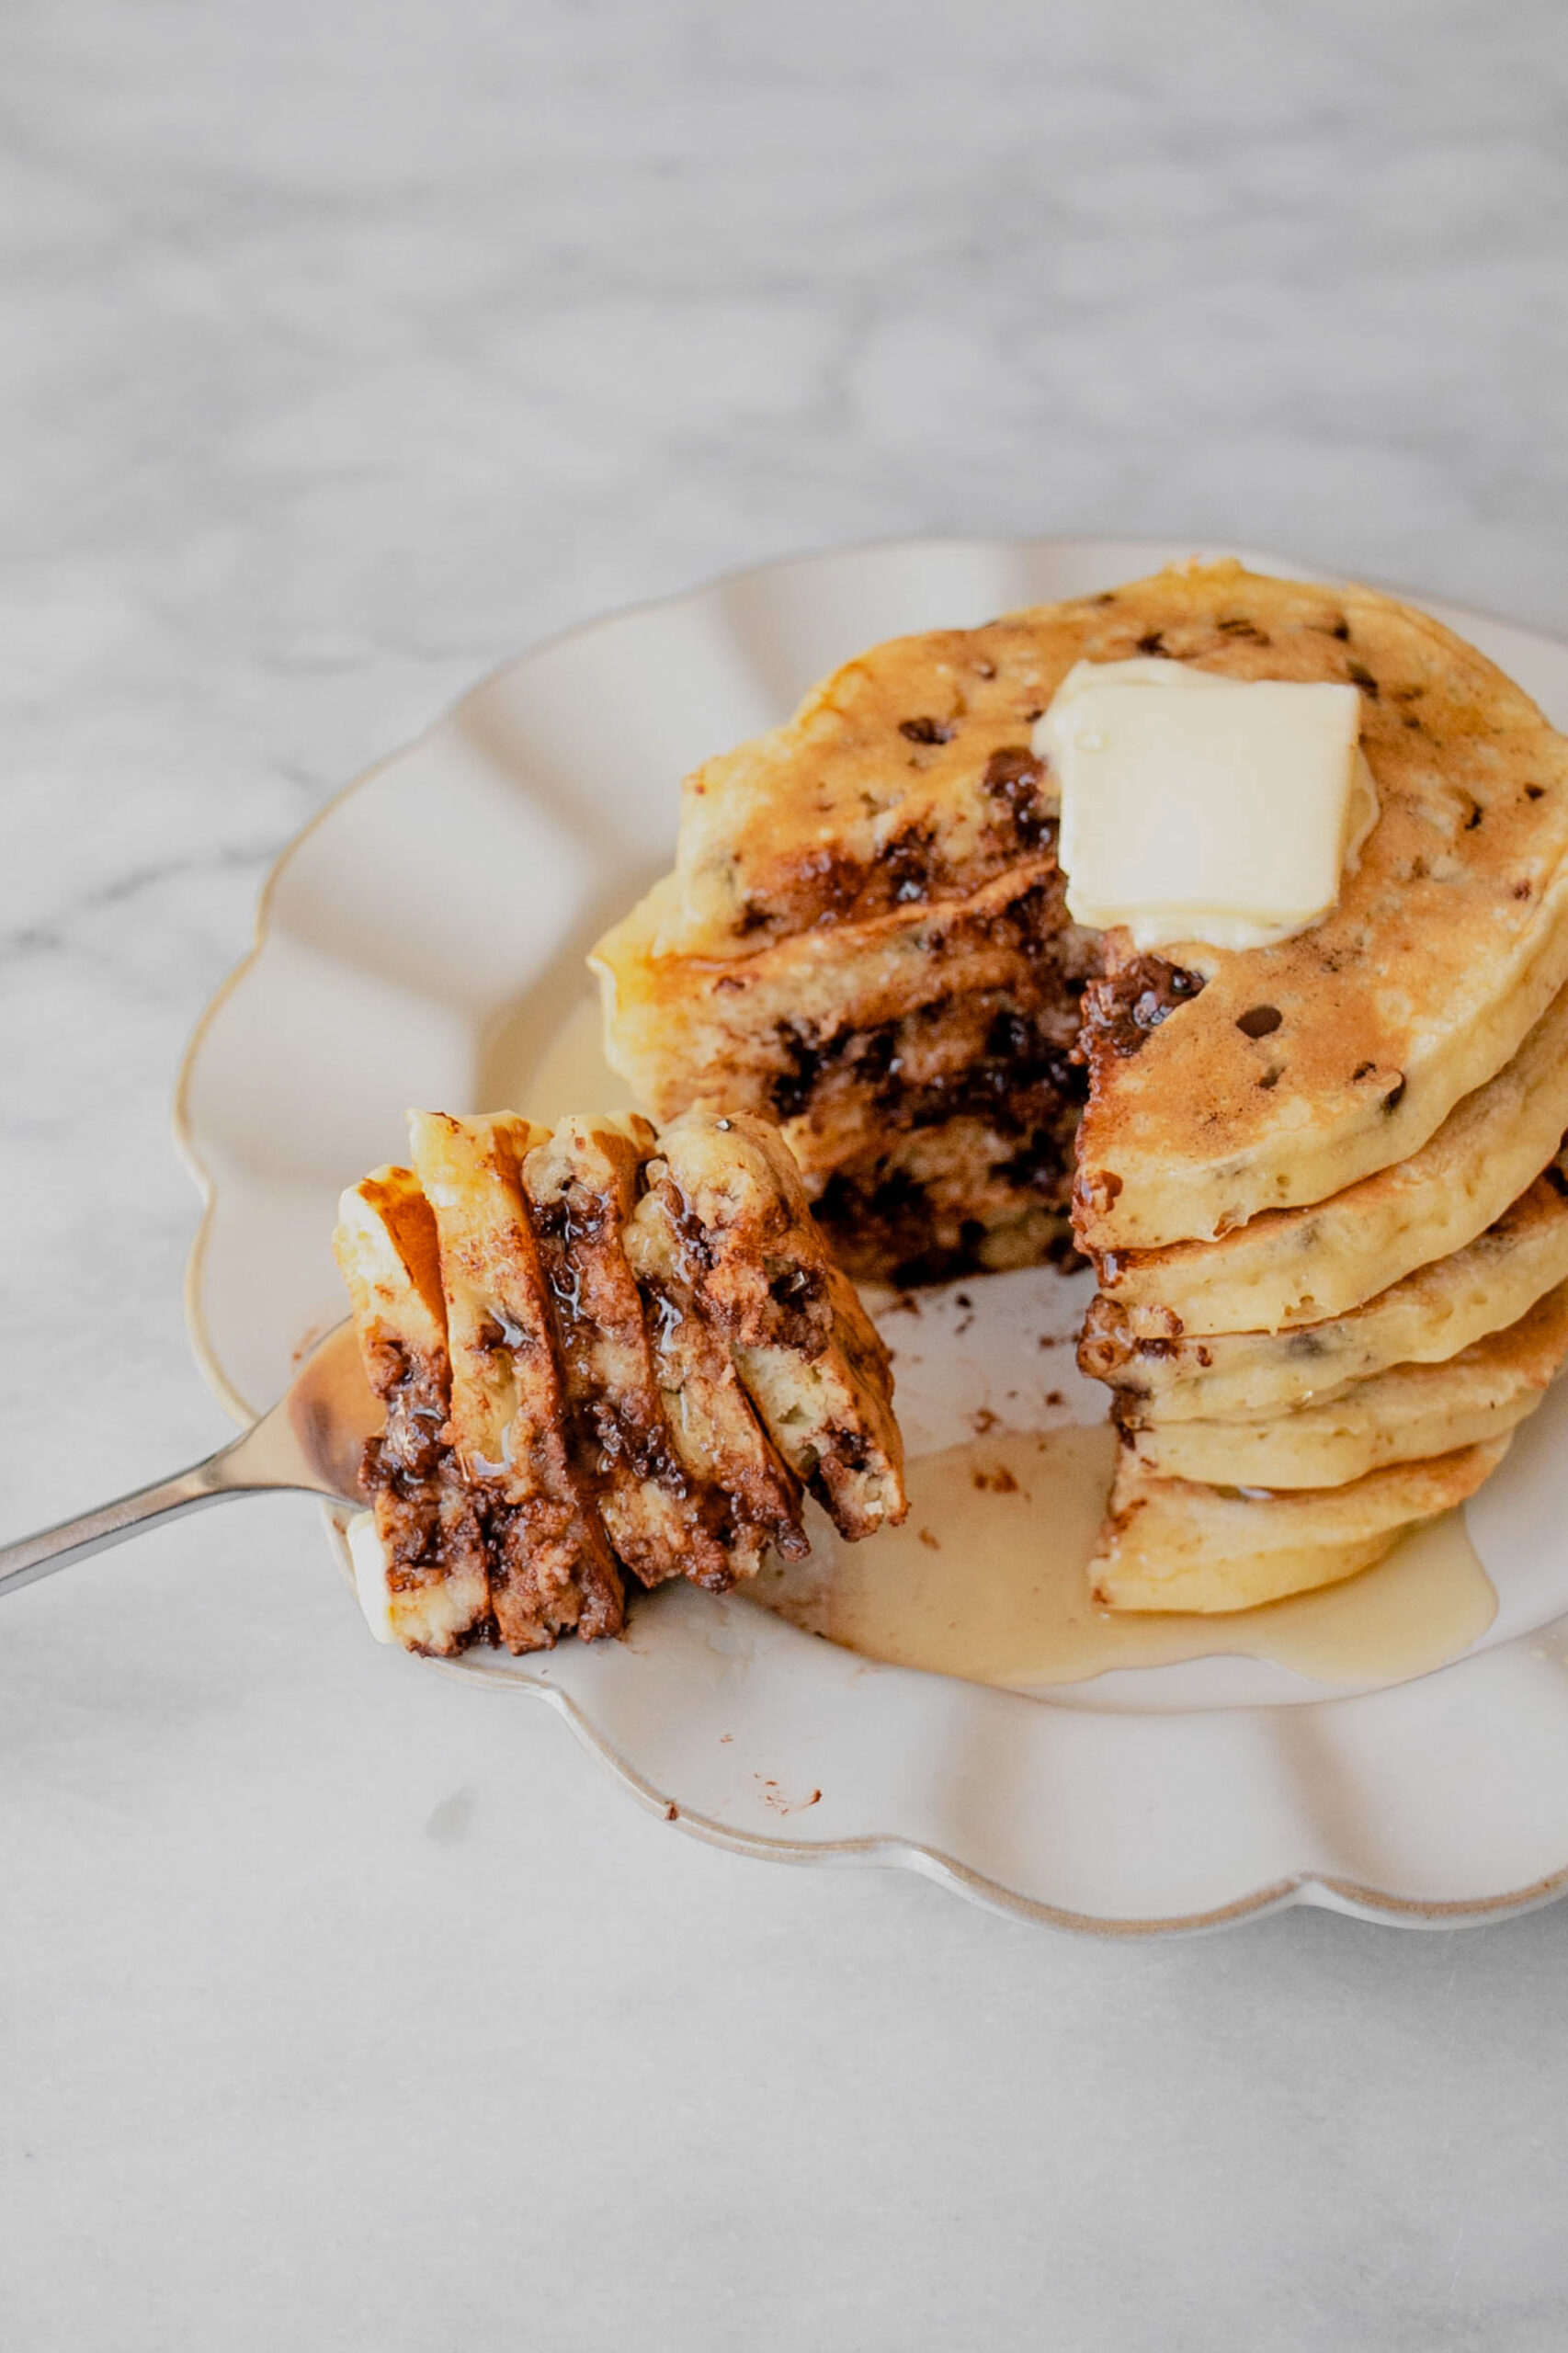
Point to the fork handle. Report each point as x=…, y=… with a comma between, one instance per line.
x=32, y=1557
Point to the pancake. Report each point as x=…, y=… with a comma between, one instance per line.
x=602, y=1352
x=1309, y=1175
x=805, y=1349
x=1173, y=1544
x=1301, y=1266
x=435, y=1579
x=1426, y=1319
x=716, y=1430
x=552, y=1570
x=664, y=1512
x=1412, y=1412
x=894, y=843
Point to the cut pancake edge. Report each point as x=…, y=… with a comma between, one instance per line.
x=551, y=1570
x=580, y=1412
x=433, y=1582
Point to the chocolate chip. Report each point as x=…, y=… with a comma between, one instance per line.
x=1099, y=1188
x=1534, y=791
x=1261, y=1021
x=1014, y=777
x=1121, y=1008
x=905, y=863
x=927, y=730
x=1395, y=1096
x=1361, y=677
x=793, y=1087
x=1152, y=643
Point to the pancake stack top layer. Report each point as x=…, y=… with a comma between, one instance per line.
x=601, y=1351
x=866, y=933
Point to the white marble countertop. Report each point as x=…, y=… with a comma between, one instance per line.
x=347, y=350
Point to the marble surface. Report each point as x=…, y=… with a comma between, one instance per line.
x=347, y=350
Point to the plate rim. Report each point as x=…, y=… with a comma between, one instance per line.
x=887, y=1849
x=896, y=1849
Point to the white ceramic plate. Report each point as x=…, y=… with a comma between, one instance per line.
x=417, y=942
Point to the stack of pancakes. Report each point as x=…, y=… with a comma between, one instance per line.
x=602, y=1352
x=1259, y=1461
x=1319, y=1181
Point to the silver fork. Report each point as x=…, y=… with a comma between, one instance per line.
x=312, y=1439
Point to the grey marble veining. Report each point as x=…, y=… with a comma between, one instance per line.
x=345, y=351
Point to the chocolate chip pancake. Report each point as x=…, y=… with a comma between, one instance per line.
x=603, y=1353
x=865, y=934
x=1300, y=1266
x=435, y=1563
x=1309, y=1173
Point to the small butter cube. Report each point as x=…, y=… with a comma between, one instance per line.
x=1225, y=812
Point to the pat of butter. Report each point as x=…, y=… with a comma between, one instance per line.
x=1226, y=812
x=370, y=1563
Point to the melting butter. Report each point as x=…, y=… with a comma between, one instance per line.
x=987, y=1580
x=1226, y=814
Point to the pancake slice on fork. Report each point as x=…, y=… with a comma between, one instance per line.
x=435, y=1578
x=554, y=1572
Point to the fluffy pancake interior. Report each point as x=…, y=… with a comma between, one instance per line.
x=432, y=1551
x=599, y=1357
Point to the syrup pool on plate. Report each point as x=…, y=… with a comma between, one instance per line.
x=1010, y=1459
x=987, y=1579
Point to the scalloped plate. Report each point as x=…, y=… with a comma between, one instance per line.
x=415, y=945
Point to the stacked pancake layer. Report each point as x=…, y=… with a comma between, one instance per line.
x=602, y=1351
x=1307, y=1175
x=1259, y=1463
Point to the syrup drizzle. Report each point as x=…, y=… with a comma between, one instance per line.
x=987, y=1580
